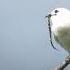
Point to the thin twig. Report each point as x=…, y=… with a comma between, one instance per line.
x=64, y=64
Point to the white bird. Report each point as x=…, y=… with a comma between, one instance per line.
x=60, y=26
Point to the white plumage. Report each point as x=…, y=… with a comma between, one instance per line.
x=60, y=18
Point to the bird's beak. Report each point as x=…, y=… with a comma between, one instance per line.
x=48, y=16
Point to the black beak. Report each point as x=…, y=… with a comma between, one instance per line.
x=48, y=16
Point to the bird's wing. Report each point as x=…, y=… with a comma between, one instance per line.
x=57, y=40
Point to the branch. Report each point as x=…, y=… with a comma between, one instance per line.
x=64, y=64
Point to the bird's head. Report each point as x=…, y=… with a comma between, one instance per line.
x=58, y=14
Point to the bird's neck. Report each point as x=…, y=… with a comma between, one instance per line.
x=62, y=21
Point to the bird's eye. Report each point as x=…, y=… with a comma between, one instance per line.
x=56, y=11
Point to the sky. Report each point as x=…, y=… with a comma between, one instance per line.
x=24, y=36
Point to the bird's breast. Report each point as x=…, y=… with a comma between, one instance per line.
x=63, y=35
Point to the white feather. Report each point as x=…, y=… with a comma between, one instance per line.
x=61, y=27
